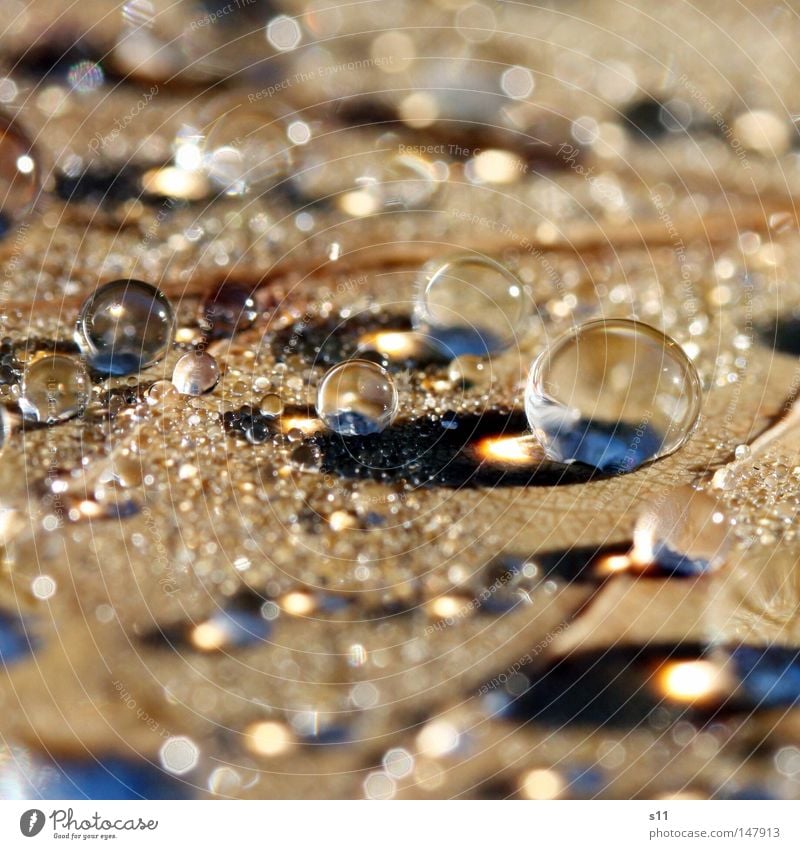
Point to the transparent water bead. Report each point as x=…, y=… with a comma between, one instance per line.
x=356, y=398
x=401, y=181
x=54, y=388
x=247, y=148
x=471, y=305
x=195, y=373
x=20, y=174
x=271, y=405
x=685, y=531
x=125, y=326
x=164, y=40
x=612, y=394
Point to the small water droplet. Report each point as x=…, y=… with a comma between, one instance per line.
x=306, y=458
x=125, y=326
x=468, y=371
x=162, y=393
x=402, y=181
x=54, y=388
x=195, y=373
x=471, y=305
x=271, y=405
x=356, y=398
x=7, y=426
x=612, y=394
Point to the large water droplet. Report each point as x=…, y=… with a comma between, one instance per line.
x=125, y=326
x=357, y=397
x=20, y=174
x=612, y=394
x=471, y=305
x=54, y=388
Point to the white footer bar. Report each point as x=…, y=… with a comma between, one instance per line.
x=402, y=825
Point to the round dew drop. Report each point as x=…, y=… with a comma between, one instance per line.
x=195, y=373
x=54, y=388
x=356, y=398
x=471, y=305
x=125, y=326
x=612, y=394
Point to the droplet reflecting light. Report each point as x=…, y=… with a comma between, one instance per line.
x=125, y=326
x=612, y=394
x=357, y=397
x=471, y=305
x=195, y=373
x=54, y=388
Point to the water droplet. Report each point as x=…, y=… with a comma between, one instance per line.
x=357, y=397
x=403, y=181
x=284, y=33
x=162, y=393
x=247, y=149
x=125, y=326
x=471, y=305
x=20, y=174
x=271, y=405
x=54, y=388
x=7, y=425
x=195, y=373
x=162, y=40
x=684, y=531
x=468, y=371
x=306, y=458
x=612, y=394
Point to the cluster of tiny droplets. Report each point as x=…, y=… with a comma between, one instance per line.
x=762, y=497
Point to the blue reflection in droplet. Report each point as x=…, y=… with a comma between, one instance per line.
x=125, y=326
x=610, y=448
x=674, y=563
